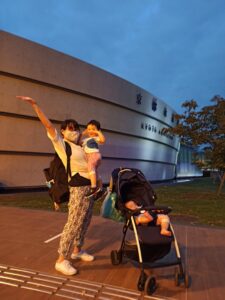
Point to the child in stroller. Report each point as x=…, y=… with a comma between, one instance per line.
x=146, y=217
x=150, y=244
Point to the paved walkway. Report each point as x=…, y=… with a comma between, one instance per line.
x=28, y=250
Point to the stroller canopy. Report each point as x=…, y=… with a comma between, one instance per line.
x=131, y=184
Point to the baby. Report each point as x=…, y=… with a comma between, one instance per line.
x=145, y=217
x=90, y=139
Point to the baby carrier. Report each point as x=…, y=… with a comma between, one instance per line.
x=149, y=246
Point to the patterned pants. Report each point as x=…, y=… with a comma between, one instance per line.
x=79, y=217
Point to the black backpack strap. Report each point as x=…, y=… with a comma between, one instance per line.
x=68, y=154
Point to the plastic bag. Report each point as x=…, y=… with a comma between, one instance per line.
x=108, y=209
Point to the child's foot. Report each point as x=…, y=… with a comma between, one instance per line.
x=166, y=232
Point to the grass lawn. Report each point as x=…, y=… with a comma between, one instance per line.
x=194, y=201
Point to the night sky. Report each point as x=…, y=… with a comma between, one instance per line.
x=174, y=49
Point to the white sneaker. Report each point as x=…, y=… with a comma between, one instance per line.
x=83, y=256
x=65, y=268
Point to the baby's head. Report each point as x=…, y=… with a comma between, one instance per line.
x=92, y=127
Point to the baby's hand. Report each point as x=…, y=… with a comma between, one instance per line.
x=84, y=132
x=95, y=132
x=26, y=99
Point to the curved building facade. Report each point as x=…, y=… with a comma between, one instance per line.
x=132, y=119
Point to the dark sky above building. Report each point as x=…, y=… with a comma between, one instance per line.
x=174, y=49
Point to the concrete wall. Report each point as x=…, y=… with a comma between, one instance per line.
x=66, y=87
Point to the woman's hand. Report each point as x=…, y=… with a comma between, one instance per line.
x=43, y=118
x=26, y=99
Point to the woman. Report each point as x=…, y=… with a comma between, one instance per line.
x=79, y=207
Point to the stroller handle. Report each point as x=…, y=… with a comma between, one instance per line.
x=158, y=209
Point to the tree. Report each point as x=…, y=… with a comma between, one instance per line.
x=204, y=128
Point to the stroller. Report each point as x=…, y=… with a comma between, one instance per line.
x=149, y=246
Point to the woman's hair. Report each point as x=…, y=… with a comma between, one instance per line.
x=70, y=122
x=95, y=123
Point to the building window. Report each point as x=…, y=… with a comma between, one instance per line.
x=165, y=112
x=154, y=104
x=172, y=118
x=138, y=98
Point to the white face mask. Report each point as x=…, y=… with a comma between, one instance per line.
x=71, y=136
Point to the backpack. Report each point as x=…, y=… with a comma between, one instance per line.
x=57, y=177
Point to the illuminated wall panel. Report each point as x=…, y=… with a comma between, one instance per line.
x=65, y=87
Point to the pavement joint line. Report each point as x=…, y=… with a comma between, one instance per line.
x=11, y=278
x=22, y=270
x=64, y=287
x=46, y=280
x=3, y=267
x=82, y=293
x=54, y=277
x=16, y=274
x=120, y=289
x=68, y=297
x=41, y=284
x=35, y=289
x=83, y=288
x=118, y=295
x=8, y=283
x=53, y=238
x=157, y=298
x=88, y=283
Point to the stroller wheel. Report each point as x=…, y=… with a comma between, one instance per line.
x=115, y=257
x=186, y=280
x=141, y=281
x=150, y=285
x=177, y=277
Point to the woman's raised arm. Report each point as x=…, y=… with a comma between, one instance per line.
x=44, y=120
